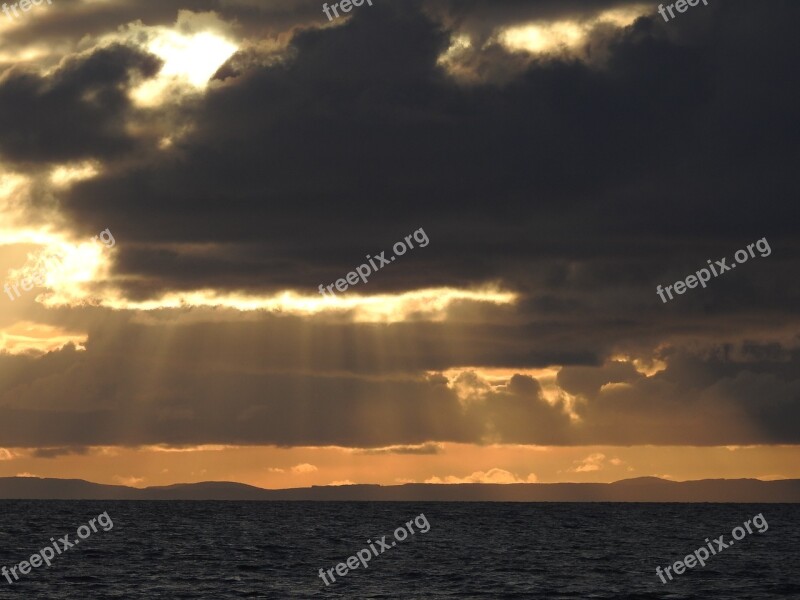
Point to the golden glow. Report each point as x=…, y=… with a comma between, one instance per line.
x=647, y=367
x=68, y=269
x=16, y=214
x=470, y=62
x=10, y=183
x=651, y=367
x=64, y=175
x=304, y=468
x=39, y=237
x=541, y=38
x=428, y=304
x=56, y=261
x=500, y=375
x=188, y=59
x=623, y=16
x=483, y=380
x=135, y=482
x=458, y=43
x=194, y=57
x=271, y=467
x=451, y=59
x=6, y=454
x=25, y=336
x=27, y=54
x=593, y=462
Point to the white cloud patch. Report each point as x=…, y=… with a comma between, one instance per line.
x=593, y=462
x=129, y=481
x=491, y=476
x=304, y=468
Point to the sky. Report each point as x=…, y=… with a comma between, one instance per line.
x=185, y=187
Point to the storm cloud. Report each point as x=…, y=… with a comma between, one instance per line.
x=576, y=180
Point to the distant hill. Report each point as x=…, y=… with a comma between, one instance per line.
x=642, y=489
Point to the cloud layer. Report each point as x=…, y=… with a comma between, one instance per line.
x=577, y=178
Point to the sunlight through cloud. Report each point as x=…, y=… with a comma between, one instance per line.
x=428, y=304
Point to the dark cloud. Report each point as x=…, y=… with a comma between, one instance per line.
x=61, y=451
x=697, y=402
x=422, y=449
x=362, y=131
x=579, y=183
x=587, y=381
x=156, y=385
x=78, y=112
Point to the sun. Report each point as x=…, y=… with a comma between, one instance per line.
x=190, y=60
x=194, y=57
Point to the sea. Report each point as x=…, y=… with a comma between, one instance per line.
x=217, y=550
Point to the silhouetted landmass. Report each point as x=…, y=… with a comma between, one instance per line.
x=642, y=489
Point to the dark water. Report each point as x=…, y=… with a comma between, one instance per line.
x=472, y=550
